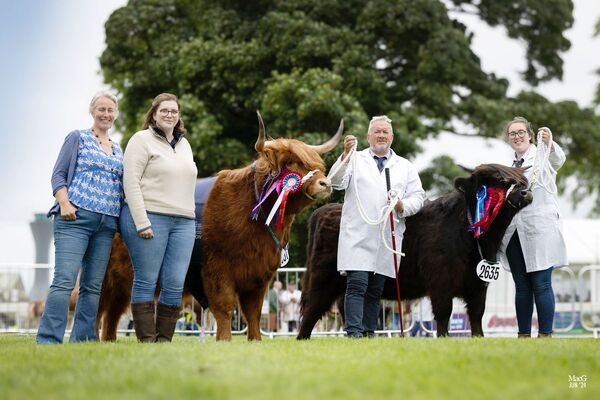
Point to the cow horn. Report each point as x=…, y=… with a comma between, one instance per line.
x=260, y=142
x=331, y=143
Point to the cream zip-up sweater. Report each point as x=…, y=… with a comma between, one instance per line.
x=157, y=178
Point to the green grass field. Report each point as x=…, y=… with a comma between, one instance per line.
x=282, y=368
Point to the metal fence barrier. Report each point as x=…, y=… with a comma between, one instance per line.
x=23, y=288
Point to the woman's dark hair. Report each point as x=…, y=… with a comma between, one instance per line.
x=149, y=118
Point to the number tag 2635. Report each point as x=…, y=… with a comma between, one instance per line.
x=487, y=271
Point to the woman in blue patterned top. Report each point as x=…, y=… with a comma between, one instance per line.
x=87, y=183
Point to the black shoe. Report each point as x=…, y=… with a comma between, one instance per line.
x=355, y=335
x=370, y=335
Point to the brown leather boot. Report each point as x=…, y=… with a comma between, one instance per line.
x=166, y=319
x=544, y=335
x=143, y=321
x=524, y=335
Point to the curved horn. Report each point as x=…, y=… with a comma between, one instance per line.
x=260, y=142
x=331, y=143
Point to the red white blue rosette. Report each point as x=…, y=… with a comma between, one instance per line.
x=289, y=182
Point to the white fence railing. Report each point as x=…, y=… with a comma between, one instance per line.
x=23, y=288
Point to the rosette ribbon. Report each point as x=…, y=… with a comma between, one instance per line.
x=289, y=182
x=489, y=202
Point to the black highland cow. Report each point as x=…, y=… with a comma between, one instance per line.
x=441, y=255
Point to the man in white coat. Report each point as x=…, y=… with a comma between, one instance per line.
x=533, y=244
x=362, y=255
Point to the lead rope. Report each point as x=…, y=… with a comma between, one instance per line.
x=384, y=212
x=542, y=168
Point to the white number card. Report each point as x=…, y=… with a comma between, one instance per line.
x=488, y=272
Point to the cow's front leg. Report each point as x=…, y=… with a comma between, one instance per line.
x=251, y=304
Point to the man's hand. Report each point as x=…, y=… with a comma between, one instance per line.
x=399, y=207
x=349, y=142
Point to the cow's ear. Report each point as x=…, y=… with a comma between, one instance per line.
x=462, y=184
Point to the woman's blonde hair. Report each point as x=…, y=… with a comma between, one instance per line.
x=108, y=95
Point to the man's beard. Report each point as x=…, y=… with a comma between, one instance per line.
x=380, y=148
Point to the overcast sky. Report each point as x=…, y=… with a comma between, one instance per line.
x=50, y=70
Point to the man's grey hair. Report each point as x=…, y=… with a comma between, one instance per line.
x=108, y=95
x=380, y=118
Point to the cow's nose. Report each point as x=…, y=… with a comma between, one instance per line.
x=324, y=182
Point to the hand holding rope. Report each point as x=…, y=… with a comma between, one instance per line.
x=543, y=172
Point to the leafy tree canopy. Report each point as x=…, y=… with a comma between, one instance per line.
x=307, y=63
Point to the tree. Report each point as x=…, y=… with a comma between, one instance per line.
x=307, y=63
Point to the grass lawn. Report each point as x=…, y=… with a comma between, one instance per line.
x=282, y=368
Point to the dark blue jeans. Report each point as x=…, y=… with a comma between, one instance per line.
x=529, y=286
x=165, y=258
x=85, y=244
x=362, y=302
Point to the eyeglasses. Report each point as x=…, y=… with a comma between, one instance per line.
x=519, y=133
x=164, y=112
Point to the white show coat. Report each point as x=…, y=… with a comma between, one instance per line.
x=538, y=224
x=360, y=247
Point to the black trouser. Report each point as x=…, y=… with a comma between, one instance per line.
x=362, y=302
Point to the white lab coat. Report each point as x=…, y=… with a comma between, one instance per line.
x=360, y=247
x=538, y=224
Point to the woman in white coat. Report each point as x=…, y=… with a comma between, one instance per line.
x=362, y=255
x=533, y=244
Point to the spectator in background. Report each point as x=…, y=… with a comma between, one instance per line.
x=274, y=306
x=424, y=318
x=187, y=322
x=290, y=303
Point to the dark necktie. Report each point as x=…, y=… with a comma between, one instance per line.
x=518, y=163
x=380, y=162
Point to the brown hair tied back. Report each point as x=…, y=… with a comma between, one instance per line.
x=149, y=118
x=522, y=120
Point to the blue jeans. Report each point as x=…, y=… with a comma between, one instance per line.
x=362, y=302
x=83, y=243
x=164, y=259
x=529, y=286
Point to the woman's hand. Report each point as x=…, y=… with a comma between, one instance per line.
x=68, y=211
x=546, y=134
x=147, y=234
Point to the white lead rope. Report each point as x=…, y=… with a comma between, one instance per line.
x=384, y=212
x=543, y=172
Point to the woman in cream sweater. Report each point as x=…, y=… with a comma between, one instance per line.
x=157, y=221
